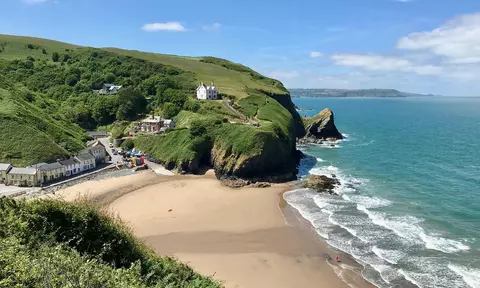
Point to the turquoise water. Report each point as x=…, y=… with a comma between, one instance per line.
x=410, y=196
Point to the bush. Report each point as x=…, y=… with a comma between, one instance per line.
x=128, y=144
x=55, y=56
x=51, y=243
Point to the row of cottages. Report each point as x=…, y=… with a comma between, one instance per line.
x=205, y=92
x=42, y=173
x=154, y=124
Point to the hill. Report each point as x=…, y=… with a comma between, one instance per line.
x=50, y=243
x=66, y=75
x=29, y=133
x=383, y=93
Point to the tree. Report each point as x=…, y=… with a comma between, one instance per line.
x=55, y=56
x=44, y=51
x=170, y=110
x=110, y=78
x=191, y=105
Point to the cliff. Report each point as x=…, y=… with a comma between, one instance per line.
x=322, y=126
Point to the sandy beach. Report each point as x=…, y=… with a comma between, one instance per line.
x=240, y=236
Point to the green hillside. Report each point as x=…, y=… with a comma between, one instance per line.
x=66, y=76
x=49, y=243
x=29, y=134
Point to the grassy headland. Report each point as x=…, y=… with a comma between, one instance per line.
x=65, y=76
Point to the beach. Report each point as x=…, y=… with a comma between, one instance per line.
x=238, y=236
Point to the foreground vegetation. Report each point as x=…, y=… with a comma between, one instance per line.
x=50, y=243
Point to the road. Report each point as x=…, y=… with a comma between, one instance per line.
x=231, y=109
x=115, y=158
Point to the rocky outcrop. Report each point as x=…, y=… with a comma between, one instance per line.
x=322, y=126
x=322, y=184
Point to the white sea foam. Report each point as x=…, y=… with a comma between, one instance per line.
x=391, y=256
x=408, y=228
x=469, y=275
x=320, y=159
x=428, y=272
x=367, y=201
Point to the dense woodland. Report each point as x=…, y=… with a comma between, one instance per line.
x=70, y=79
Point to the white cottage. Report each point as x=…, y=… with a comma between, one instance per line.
x=205, y=92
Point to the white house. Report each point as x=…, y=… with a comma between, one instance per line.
x=72, y=166
x=87, y=161
x=205, y=92
x=168, y=123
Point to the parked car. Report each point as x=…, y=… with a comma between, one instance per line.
x=111, y=145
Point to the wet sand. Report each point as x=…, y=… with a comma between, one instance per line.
x=239, y=236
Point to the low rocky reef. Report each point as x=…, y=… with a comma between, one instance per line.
x=322, y=184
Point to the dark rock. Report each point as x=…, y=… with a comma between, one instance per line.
x=322, y=126
x=322, y=184
x=259, y=185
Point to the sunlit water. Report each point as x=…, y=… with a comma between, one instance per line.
x=410, y=188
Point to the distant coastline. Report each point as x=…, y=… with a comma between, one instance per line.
x=379, y=93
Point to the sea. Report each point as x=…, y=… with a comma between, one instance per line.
x=409, y=204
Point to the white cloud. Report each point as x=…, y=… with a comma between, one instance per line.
x=315, y=54
x=214, y=26
x=458, y=40
x=168, y=26
x=384, y=63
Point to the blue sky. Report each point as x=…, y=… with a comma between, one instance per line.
x=422, y=46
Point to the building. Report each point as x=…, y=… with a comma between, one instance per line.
x=49, y=171
x=153, y=124
x=71, y=165
x=98, y=151
x=4, y=169
x=109, y=89
x=207, y=92
x=25, y=177
x=168, y=123
x=97, y=134
x=87, y=161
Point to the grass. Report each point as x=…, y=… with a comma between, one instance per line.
x=51, y=243
x=29, y=134
x=207, y=137
x=234, y=79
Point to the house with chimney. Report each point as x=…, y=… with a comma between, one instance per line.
x=205, y=92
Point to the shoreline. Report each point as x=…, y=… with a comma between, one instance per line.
x=244, y=237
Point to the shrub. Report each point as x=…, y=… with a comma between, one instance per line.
x=128, y=144
x=51, y=243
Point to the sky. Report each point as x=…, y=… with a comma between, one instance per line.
x=420, y=46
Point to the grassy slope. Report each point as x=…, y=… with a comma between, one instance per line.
x=50, y=243
x=29, y=134
x=237, y=148
x=228, y=81
x=17, y=47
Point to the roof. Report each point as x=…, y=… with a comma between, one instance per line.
x=108, y=84
x=23, y=171
x=97, y=133
x=95, y=143
x=4, y=166
x=48, y=167
x=86, y=156
x=154, y=119
x=68, y=162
